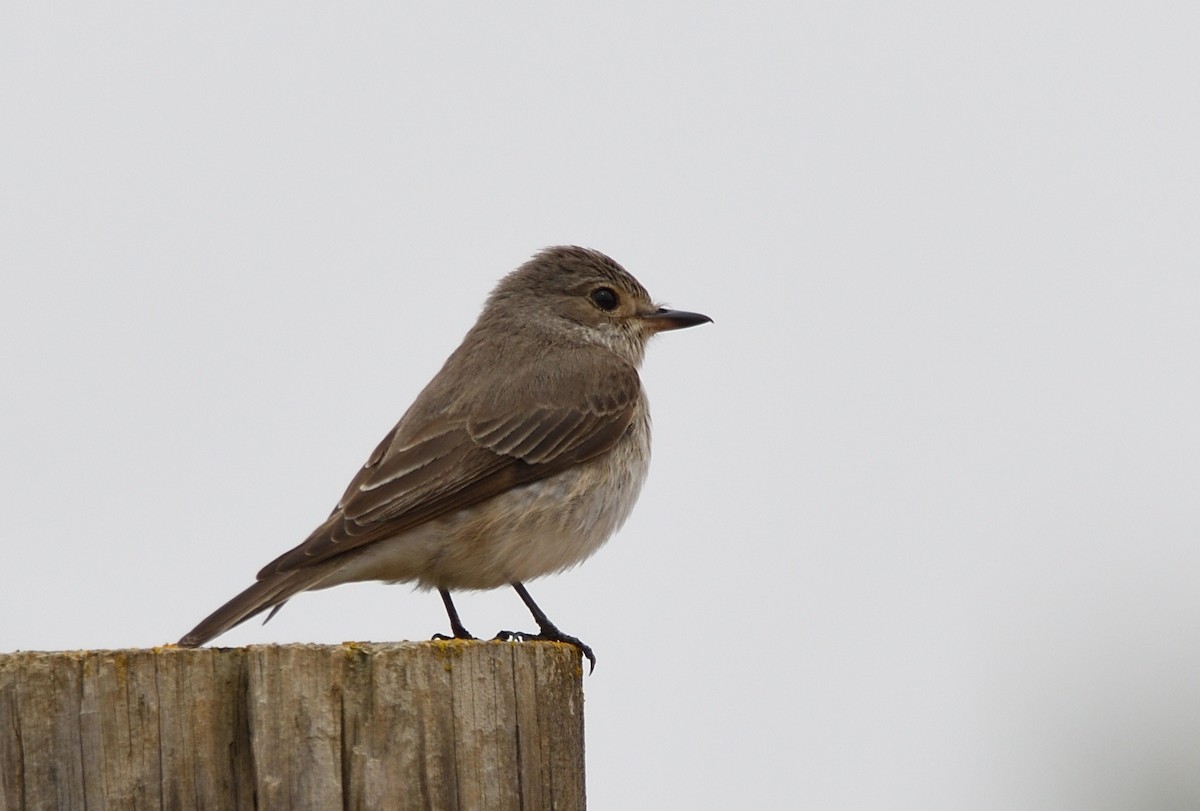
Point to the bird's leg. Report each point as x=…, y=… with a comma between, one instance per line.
x=549, y=631
x=455, y=623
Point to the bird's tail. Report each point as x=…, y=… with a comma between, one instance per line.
x=270, y=592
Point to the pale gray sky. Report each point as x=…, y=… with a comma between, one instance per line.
x=921, y=530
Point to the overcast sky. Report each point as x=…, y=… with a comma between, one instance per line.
x=921, y=530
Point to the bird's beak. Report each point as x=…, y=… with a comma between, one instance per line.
x=663, y=319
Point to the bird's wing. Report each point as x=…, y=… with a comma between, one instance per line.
x=454, y=462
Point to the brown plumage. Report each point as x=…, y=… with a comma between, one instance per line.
x=520, y=458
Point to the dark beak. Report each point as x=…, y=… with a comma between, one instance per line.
x=663, y=319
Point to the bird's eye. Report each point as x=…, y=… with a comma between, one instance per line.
x=604, y=298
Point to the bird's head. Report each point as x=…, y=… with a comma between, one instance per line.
x=575, y=294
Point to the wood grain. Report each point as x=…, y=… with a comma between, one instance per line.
x=436, y=725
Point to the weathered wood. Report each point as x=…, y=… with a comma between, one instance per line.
x=436, y=725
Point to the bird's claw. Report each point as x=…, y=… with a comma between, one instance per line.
x=444, y=638
x=551, y=636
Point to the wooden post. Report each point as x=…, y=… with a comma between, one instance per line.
x=434, y=725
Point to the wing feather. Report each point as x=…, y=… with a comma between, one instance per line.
x=427, y=468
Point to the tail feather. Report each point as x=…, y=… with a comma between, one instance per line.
x=270, y=592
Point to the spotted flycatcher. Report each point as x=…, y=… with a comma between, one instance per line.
x=520, y=458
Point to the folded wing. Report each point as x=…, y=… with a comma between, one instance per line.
x=460, y=459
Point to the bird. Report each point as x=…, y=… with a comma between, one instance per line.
x=519, y=459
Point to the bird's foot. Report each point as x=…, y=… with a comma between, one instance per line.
x=550, y=635
x=464, y=636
